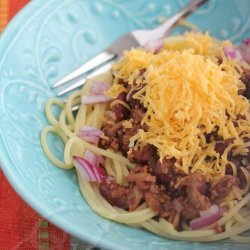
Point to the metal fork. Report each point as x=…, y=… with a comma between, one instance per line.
x=138, y=38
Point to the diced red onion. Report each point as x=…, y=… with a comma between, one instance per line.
x=90, y=134
x=203, y=221
x=244, y=49
x=92, y=99
x=154, y=45
x=90, y=139
x=232, y=53
x=100, y=159
x=90, y=131
x=96, y=160
x=212, y=210
x=88, y=171
x=246, y=41
x=98, y=87
x=207, y=217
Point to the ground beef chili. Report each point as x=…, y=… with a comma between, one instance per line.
x=223, y=187
x=120, y=111
x=245, y=78
x=159, y=183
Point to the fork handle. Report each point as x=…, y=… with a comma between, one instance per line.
x=165, y=28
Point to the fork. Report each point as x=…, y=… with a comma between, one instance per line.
x=102, y=62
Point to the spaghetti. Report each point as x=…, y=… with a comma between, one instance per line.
x=187, y=105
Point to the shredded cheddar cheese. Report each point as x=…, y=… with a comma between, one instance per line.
x=120, y=102
x=202, y=44
x=115, y=90
x=187, y=95
x=127, y=124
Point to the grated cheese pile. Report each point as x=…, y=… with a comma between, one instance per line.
x=187, y=95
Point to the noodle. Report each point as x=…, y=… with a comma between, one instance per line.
x=235, y=221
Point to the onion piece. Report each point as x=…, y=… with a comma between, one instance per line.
x=232, y=53
x=92, y=99
x=154, y=45
x=98, y=87
x=90, y=131
x=244, y=49
x=212, y=210
x=94, y=159
x=207, y=217
x=97, y=93
x=90, y=134
x=246, y=41
x=90, y=139
x=88, y=171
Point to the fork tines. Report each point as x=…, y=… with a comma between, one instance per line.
x=97, y=65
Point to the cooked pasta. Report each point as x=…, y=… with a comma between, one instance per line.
x=175, y=150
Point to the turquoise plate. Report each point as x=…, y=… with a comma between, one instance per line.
x=47, y=40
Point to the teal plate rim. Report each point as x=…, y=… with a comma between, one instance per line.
x=12, y=31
